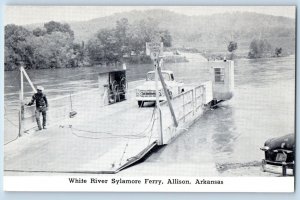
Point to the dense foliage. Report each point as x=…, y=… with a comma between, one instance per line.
x=278, y=51
x=259, y=48
x=53, y=45
x=125, y=42
x=232, y=46
x=49, y=47
x=206, y=33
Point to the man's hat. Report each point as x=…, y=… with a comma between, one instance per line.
x=40, y=88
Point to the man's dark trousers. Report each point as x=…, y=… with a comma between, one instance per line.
x=38, y=111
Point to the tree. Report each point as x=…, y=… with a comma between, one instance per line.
x=126, y=40
x=122, y=36
x=232, y=46
x=166, y=38
x=52, y=50
x=145, y=30
x=10, y=58
x=94, y=50
x=78, y=58
x=49, y=47
x=105, y=48
x=122, y=27
x=17, y=48
x=278, y=51
x=109, y=44
x=39, y=32
x=14, y=34
x=137, y=41
x=259, y=48
x=53, y=26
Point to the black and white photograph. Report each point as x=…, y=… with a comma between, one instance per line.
x=149, y=98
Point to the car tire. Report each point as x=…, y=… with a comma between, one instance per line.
x=140, y=103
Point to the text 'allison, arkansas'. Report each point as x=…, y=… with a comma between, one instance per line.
x=146, y=181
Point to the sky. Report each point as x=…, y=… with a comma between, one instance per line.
x=22, y=15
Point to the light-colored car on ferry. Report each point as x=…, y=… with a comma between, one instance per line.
x=147, y=91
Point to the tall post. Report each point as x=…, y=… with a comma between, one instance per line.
x=22, y=85
x=155, y=49
x=21, y=113
x=20, y=124
x=167, y=96
x=160, y=141
x=22, y=106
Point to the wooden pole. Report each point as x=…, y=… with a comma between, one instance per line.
x=22, y=85
x=21, y=112
x=160, y=141
x=20, y=124
x=168, y=96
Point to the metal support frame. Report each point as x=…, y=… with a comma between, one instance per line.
x=22, y=107
x=28, y=79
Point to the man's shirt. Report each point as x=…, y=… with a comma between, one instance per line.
x=40, y=100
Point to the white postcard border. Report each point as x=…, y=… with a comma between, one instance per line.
x=142, y=184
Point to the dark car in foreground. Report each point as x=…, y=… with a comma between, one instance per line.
x=280, y=151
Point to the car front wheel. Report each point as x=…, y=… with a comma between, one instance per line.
x=140, y=103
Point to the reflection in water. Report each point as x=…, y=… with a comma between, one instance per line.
x=224, y=136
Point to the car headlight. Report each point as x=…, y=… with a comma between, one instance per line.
x=137, y=92
x=265, y=148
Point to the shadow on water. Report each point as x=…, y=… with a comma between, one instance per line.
x=208, y=136
x=224, y=133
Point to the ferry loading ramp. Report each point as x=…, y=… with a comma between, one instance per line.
x=111, y=138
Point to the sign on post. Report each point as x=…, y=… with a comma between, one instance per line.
x=154, y=49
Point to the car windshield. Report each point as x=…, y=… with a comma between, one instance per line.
x=151, y=76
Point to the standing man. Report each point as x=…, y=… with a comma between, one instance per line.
x=41, y=103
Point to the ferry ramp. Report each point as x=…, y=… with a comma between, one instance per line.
x=100, y=139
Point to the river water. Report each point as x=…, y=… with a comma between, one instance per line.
x=263, y=106
x=230, y=137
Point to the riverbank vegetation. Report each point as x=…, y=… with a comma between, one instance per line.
x=258, y=48
x=121, y=37
x=50, y=46
x=126, y=42
x=53, y=45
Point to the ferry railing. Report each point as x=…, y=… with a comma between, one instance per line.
x=187, y=106
x=199, y=97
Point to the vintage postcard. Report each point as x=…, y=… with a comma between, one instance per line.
x=149, y=98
